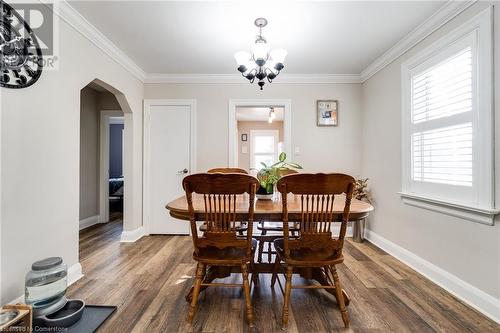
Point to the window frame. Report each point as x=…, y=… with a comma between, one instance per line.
x=253, y=134
x=478, y=206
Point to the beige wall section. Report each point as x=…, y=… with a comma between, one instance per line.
x=89, y=153
x=107, y=101
x=468, y=250
x=321, y=148
x=244, y=127
x=45, y=218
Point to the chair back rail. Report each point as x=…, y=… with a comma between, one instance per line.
x=220, y=192
x=317, y=195
x=227, y=170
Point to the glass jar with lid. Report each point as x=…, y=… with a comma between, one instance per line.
x=46, y=283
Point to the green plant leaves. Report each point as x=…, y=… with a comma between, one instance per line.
x=294, y=165
x=268, y=176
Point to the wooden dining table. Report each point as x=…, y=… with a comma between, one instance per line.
x=267, y=210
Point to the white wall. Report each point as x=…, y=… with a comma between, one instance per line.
x=468, y=250
x=40, y=159
x=89, y=153
x=321, y=148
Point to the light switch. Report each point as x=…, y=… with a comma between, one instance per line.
x=297, y=150
x=244, y=149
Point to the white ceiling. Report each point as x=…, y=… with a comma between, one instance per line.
x=176, y=37
x=257, y=114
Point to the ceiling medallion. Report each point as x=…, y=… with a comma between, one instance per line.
x=21, y=59
x=262, y=64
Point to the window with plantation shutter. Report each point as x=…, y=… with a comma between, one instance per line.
x=442, y=122
x=447, y=124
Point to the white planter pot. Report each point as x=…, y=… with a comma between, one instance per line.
x=264, y=196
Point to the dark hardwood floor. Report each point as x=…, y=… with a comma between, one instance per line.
x=148, y=280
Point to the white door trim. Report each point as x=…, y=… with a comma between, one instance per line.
x=233, y=132
x=148, y=103
x=104, y=163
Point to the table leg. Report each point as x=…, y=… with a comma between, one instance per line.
x=213, y=272
x=358, y=231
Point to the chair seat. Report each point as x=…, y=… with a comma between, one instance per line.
x=307, y=256
x=227, y=256
x=240, y=226
x=277, y=226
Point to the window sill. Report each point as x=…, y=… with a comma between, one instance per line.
x=470, y=213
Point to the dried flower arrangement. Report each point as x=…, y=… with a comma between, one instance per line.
x=361, y=191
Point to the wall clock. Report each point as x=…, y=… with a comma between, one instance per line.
x=21, y=59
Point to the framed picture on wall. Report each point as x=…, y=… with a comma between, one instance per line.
x=244, y=137
x=327, y=112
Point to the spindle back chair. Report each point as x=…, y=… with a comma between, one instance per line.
x=316, y=245
x=220, y=245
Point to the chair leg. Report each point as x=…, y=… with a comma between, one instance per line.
x=275, y=271
x=246, y=290
x=269, y=251
x=255, y=275
x=340, y=297
x=286, y=301
x=200, y=269
x=261, y=246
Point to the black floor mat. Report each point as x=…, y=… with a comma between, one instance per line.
x=93, y=317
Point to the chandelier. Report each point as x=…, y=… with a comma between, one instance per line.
x=262, y=64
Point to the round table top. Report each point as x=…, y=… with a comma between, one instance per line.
x=269, y=210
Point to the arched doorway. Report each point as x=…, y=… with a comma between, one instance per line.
x=105, y=154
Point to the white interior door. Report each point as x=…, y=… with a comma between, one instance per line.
x=168, y=150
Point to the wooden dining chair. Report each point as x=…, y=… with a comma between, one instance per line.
x=228, y=170
x=241, y=227
x=276, y=228
x=220, y=245
x=315, y=246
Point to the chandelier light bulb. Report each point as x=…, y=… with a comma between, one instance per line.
x=270, y=63
x=279, y=55
x=260, y=51
x=270, y=120
x=242, y=58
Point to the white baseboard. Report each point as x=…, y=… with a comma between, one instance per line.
x=89, y=221
x=74, y=274
x=20, y=299
x=474, y=297
x=132, y=235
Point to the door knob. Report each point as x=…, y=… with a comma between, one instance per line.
x=181, y=172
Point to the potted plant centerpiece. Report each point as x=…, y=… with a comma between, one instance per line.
x=268, y=176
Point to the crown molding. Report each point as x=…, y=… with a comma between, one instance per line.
x=70, y=15
x=236, y=78
x=444, y=14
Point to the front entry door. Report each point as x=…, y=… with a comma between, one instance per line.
x=167, y=160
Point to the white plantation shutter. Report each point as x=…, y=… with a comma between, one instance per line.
x=442, y=130
x=447, y=123
x=443, y=155
x=444, y=90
